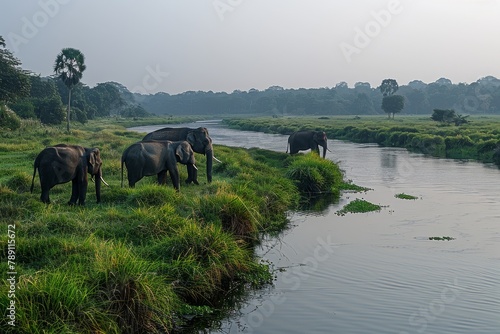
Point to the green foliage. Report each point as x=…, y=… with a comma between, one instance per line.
x=233, y=214
x=14, y=81
x=50, y=110
x=8, y=119
x=23, y=108
x=389, y=87
x=448, y=116
x=201, y=259
x=314, y=175
x=393, y=104
x=358, y=206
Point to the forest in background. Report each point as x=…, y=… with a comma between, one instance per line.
x=49, y=95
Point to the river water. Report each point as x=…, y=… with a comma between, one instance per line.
x=379, y=272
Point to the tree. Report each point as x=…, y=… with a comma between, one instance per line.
x=389, y=87
x=69, y=66
x=448, y=116
x=14, y=81
x=393, y=104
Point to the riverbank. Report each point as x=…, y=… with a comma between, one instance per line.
x=477, y=140
x=146, y=259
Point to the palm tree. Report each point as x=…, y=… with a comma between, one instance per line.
x=69, y=66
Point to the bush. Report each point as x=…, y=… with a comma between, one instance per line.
x=8, y=119
x=315, y=175
x=200, y=259
x=235, y=216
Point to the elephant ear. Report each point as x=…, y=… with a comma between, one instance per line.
x=94, y=159
x=191, y=137
x=181, y=153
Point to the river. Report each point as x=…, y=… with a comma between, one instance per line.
x=379, y=272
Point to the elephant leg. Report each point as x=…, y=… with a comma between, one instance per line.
x=315, y=148
x=192, y=174
x=131, y=180
x=74, y=192
x=44, y=197
x=83, y=191
x=174, y=176
x=162, y=177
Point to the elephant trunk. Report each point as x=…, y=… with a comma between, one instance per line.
x=325, y=147
x=210, y=155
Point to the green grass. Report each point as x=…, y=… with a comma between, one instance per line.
x=147, y=255
x=358, y=206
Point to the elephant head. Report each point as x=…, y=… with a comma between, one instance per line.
x=94, y=164
x=319, y=138
x=198, y=138
x=185, y=155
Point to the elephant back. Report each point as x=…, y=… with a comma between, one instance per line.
x=173, y=134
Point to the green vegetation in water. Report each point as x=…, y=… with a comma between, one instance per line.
x=405, y=196
x=441, y=238
x=358, y=206
x=147, y=259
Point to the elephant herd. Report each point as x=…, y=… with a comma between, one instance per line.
x=158, y=152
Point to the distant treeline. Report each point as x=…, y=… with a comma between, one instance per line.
x=48, y=97
x=480, y=97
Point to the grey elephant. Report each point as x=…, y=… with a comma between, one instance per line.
x=63, y=163
x=304, y=140
x=198, y=138
x=146, y=158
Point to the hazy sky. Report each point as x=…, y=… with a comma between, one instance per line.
x=223, y=45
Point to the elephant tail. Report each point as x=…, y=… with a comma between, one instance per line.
x=287, y=145
x=123, y=160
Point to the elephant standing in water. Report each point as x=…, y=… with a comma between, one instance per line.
x=63, y=163
x=198, y=138
x=146, y=158
x=304, y=140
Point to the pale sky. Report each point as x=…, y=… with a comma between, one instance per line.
x=223, y=45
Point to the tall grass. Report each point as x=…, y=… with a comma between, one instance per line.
x=145, y=255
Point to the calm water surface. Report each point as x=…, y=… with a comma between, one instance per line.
x=378, y=272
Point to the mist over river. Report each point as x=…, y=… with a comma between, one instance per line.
x=379, y=272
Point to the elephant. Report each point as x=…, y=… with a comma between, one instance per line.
x=156, y=157
x=198, y=138
x=304, y=140
x=63, y=163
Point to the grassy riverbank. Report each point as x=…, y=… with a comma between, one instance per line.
x=145, y=259
x=476, y=140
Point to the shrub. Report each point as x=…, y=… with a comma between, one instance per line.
x=8, y=119
x=200, y=259
x=134, y=295
x=314, y=175
x=234, y=215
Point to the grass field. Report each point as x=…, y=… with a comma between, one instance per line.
x=146, y=259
